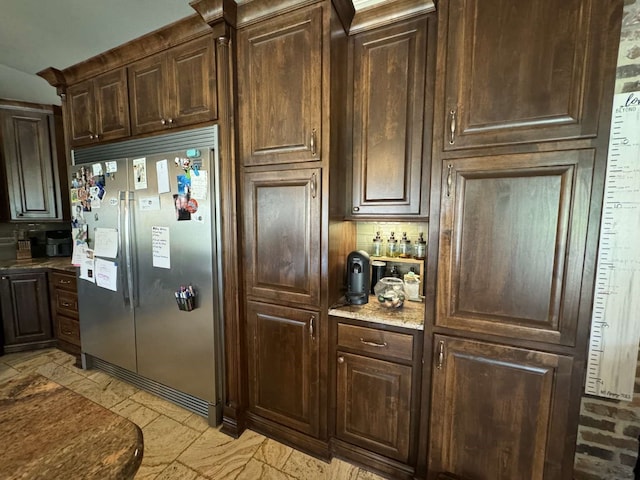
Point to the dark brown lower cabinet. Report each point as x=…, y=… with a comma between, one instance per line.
x=376, y=396
x=26, y=318
x=499, y=412
x=373, y=404
x=64, y=310
x=282, y=347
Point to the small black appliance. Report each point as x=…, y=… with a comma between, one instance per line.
x=357, y=278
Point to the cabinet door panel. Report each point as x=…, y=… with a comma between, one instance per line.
x=147, y=92
x=499, y=412
x=513, y=233
x=279, y=85
x=503, y=92
x=193, y=77
x=282, y=235
x=373, y=404
x=29, y=165
x=81, y=113
x=112, y=105
x=284, y=365
x=389, y=111
x=24, y=300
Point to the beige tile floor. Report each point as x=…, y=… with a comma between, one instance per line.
x=179, y=445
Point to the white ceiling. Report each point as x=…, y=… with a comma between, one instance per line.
x=37, y=34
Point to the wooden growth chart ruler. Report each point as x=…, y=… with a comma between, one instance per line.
x=615, y=321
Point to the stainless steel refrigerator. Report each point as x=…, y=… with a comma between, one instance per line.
x=165, y=240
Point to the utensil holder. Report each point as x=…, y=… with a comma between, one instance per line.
x=186, y=304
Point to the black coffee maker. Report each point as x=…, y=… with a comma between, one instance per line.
x=358, y=278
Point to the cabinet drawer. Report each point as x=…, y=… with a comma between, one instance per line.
x=66, y=302
x=63, y=280
x=374, y=341
x=68, y=330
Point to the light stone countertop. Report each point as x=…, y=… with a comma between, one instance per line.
x=56, y=263
x=410, y=315
x=75, y=438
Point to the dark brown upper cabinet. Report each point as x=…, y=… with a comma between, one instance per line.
x=29, y=162
x=282, y=235
x=392, y=109
x=521, y=71
x=512, y=244
x=499, y=411
x=174, y=88
x=98, y=109
x=280, y=89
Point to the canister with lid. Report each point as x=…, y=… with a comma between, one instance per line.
x=405, y=246
x=392, y=246
x=376, y=249
x=420, y=248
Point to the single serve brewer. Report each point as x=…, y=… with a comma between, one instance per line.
x=358, y=278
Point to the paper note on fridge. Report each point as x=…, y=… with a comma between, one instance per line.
x=149, y=203
x=162, y=170
x=161, y=247
x=105, y=242
x=199, y=185
x=87, y=265
x=106, y=274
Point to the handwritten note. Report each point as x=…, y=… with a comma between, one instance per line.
x=105, y=242
x=106, y=273
x=199, y=185
x=161, y=247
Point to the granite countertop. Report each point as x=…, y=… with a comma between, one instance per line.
x=410, y=315
x=57, y=263
x=49, y=431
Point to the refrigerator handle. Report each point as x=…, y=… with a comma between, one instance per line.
x=127, y=248
x=126, y=300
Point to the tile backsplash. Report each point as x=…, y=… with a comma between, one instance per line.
x=366, y=231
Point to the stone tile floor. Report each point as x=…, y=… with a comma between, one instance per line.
x=180, y=445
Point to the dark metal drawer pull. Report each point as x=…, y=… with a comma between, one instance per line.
x=65, y=304
x=373, y=344
x=64, y=282
x=67, y=332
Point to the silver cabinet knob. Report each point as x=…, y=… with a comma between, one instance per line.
x=341, y=359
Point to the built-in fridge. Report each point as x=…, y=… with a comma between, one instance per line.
x=149, y=286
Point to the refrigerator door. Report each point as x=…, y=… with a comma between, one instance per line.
x=175, y=348
x=107, y=329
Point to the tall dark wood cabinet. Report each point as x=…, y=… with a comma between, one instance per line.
x=26, y=318
x=31, y=160
x=287, y=63
x=521, y=140
x=394, y=71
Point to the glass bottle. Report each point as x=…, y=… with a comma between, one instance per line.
x=392, y=246
x=405, y=246
x=420, y=249
x=376, y=250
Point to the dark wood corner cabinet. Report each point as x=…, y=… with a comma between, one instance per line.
x=377, y=395
x=32, y=162
x=24, y=304
x=98, y=109
x=394, y=72
x=519, y=162
x=64, y=310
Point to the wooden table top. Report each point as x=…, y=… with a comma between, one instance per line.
x=50, y=432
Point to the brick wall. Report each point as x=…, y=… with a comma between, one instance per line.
x=607, y=445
